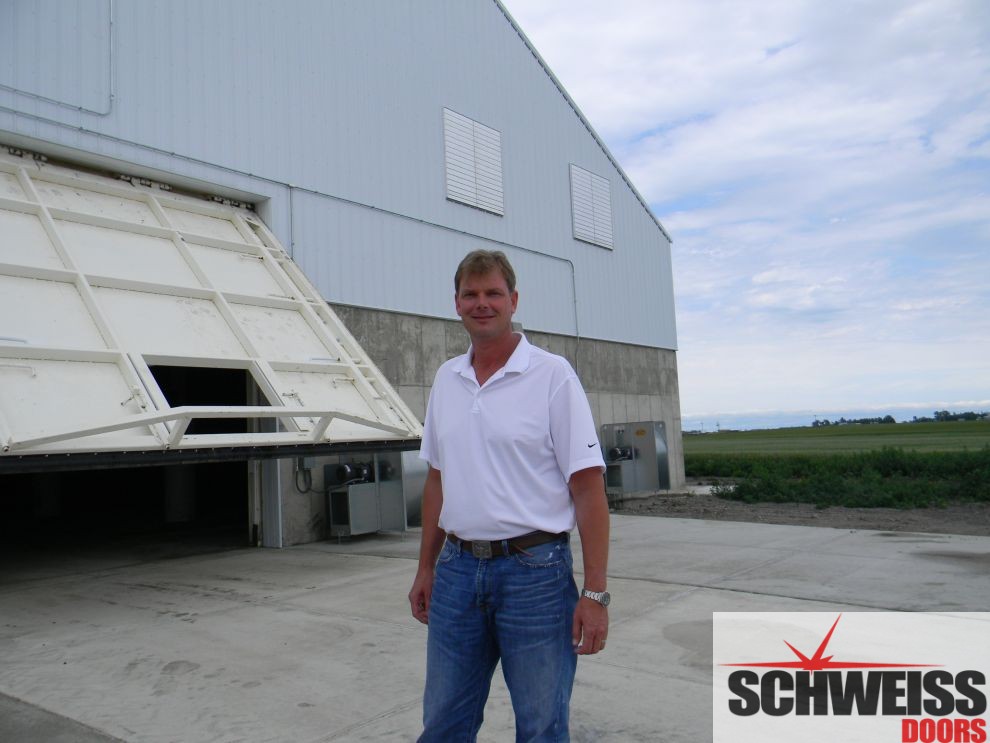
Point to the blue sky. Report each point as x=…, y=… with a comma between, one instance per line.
x=824, y=170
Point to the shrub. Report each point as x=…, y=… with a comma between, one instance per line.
x=884, y=478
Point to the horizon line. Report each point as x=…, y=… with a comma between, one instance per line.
x=825, y=411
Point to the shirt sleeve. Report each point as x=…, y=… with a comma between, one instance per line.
x=429, y=448
x=572, y=428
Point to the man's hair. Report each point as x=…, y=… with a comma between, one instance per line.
x=480, y=262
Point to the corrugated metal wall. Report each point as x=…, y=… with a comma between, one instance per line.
x=343, y=100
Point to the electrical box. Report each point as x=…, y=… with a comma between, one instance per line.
x=636, y=457
x=379, y=491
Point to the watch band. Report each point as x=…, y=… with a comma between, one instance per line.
x=602, y=597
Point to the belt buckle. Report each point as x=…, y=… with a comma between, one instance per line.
x=481, y=550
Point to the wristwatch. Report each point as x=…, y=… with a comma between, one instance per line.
x=602, y=597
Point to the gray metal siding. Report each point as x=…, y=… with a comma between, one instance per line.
x=75, y=70
x=423, y=257
x=344, y=100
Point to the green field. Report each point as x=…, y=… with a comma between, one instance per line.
x=898, y=465
x=923, y=437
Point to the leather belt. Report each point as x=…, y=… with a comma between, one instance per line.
x=487, y=550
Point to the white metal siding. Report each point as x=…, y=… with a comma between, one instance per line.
x=341, y=99
x=76, y=66
x=426, y=256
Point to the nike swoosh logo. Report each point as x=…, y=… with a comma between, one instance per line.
x=590, y=445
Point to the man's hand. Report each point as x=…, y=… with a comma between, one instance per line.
x=429, y=547
x=419, y=596
x=590, y=627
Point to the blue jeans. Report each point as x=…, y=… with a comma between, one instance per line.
x=519, y=609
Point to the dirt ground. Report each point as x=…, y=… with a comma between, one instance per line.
x=962, y=518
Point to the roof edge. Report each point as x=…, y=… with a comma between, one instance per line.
x=581, y=116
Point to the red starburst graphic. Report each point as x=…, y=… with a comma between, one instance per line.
x=820, y=662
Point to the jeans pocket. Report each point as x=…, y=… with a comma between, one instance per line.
x=549, y=555
x=448, y=553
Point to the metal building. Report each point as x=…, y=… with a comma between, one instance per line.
x=164, y=160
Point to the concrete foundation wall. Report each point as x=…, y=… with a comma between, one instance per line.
x=304, y=514
x=624, y=382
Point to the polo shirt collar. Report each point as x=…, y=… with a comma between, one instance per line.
x=518, y=362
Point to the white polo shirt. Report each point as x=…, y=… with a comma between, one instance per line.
x=506, y=450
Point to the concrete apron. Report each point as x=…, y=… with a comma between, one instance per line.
x=315, y=643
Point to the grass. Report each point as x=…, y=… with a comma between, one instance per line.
x=894, y=466
x=925, y=437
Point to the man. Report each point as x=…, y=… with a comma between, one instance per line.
x=514, y=463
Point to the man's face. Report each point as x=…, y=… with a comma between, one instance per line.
x=485, y=305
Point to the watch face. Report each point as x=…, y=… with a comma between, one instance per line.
x=606, y=598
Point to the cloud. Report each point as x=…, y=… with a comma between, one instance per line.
x=824, y=169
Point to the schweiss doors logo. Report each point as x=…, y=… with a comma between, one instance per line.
x=878, y=676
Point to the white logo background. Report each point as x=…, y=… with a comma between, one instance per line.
x=954, y=641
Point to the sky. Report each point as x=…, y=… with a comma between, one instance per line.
x=824, y=171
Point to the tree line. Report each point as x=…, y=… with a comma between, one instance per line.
x=939, y=416
x=853, y=421
x=945, y=416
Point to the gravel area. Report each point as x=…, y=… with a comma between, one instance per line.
x=698, y=503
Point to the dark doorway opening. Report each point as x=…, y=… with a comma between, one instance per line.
x=193, y=385
x=118, y=516
x=109, y=502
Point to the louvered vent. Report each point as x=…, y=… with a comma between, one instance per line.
x=591, y=205
x=473, y=153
